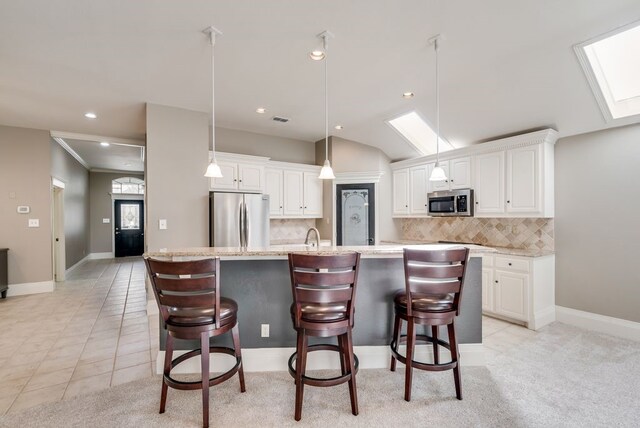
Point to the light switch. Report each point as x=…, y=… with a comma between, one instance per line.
x=106, y=220
x=162, y=224
x=34, y=222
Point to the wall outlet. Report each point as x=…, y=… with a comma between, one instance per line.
x=106, y=220
x=34, y=222
x=264, y=330
x=162, y=224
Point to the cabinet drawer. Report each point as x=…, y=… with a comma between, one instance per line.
x=512, y=263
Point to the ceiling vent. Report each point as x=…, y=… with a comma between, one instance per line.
x=280, y=119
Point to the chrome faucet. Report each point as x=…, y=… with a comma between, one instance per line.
x=313, y=229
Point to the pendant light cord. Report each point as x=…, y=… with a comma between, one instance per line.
x=326, y=100
x=435, y=46
x=213, y=98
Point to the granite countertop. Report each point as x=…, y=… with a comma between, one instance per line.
x=281, y=251
x=498, y=250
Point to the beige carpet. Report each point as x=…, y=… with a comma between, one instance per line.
x=561, y=377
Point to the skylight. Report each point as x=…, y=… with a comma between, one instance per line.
x=417, y=132
x=612, y=65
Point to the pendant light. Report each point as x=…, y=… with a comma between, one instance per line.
x=326, y=173
x=438, y=173
x=213, y=170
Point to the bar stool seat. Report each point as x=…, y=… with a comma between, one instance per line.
x=324, y=289
x=434, y=280
x=188, y=296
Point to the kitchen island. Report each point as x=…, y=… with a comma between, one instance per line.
x=258, y=280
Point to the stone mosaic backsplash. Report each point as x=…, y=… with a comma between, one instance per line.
x=521, y=233
x=290, y=229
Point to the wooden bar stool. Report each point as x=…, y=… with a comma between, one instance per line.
x=434, y=280
x=324, y=291
x=188, y=296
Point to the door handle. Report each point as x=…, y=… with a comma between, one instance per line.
x=117, y=233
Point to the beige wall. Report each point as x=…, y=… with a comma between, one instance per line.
x=597, y=236
x=101, y=203
x=276, y=148
x=64, y=167
x=350, y=156
x=177, y=156
x=25, y=162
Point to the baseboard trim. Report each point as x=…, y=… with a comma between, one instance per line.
x=601, y=323
x=275, y=359
x=30, y=288
x=84, y=259
x=542, y=318
x=99, y=256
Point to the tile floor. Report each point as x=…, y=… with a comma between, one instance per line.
x=93, y=332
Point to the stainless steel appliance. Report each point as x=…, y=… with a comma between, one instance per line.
x=451, y=203
x=238, y=220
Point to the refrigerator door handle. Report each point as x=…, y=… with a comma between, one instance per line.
x=241, y=225
x=247, y=222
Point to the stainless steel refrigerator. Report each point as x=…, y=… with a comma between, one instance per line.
x=238, y=220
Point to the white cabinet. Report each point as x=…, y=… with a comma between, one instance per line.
x=401, y=192
x=519, y=288
x=274, y=188
x=523, y=180
x=418, y=189
x=241, y=173
x=458, y=172
x=294, y=191
x=489, y=184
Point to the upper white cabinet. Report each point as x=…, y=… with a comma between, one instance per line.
x=296, y=188
x=489, y=184
x=511, y=177
x=458, y=172
x=241, y=173
x=401, y=191
x=274, y=188
x=418, y=189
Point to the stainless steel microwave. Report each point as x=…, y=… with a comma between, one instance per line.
x=451, y=203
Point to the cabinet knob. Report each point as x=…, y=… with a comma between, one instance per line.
x=509, y=264
x=240, y=181
x=508, y=202
x=496, y=281
x=300, y=207
x=305, y=208
x=452, y=180
x=406, y=206
x=477, y=202
x=234, y=180
x=280, y=207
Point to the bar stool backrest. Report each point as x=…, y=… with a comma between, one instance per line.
x=435, y=272
x=324, y=280
x=185, y=285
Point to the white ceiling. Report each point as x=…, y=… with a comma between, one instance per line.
x=115, y=157
x=506, y=66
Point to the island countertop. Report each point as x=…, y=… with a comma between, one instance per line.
x=281, y=251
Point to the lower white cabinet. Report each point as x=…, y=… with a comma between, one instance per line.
x=519, y=288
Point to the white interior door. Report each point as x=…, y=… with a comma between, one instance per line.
x=59, y=259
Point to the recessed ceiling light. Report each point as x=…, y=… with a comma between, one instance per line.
x=104, y=144
x=261, y=110
x=90, y=115
x=407, y=95
x=339, y=127
x=316, y=55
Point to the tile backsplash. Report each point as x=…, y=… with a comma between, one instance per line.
x=522, y=233
x=290, y=229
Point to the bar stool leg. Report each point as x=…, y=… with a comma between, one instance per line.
x=343, y=353
x=352, y=382
x=396, y=338
x=168, y=355
x=454, y=357
x=235, y=333
x=204, y=358
x=411, y=342
x=434, y=336
x=301, y=360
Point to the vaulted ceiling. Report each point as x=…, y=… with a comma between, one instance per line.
x=506, y=66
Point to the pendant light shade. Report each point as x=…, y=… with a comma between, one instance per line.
x=213, y=170
x=326, y=173
x=438, y=173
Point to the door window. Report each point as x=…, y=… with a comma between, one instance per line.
x=129, y=216
x=355, y=217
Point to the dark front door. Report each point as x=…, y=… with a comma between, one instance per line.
x=356, y=214
x=129, y=228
